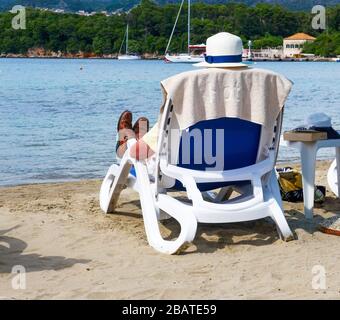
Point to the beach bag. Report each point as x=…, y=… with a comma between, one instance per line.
x=290, y=182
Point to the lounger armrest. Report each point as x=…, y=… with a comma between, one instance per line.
x=246, y=173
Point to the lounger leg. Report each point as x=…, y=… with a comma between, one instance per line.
x=308, y=157
x=275, y=189
x=186, y=219
x=278, y=216
x=113, y=185
x=277, y=209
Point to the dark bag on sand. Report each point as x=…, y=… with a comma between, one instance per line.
x=290, y=182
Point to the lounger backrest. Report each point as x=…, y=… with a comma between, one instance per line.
x=219, y=144
x=243, y=144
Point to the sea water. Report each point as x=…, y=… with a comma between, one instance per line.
x=58, y=117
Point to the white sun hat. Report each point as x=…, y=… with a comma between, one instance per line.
x=322, y=122
x=223, y=50
x=319, y=119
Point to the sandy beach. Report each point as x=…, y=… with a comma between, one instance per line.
x=71, y=250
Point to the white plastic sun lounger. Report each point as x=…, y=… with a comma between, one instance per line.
x=254, y=180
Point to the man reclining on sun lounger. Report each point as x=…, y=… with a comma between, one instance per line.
x=224, y=50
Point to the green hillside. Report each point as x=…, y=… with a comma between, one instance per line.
x=151, y=25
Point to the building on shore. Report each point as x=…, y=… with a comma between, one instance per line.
x=293, y=45
x=263, y=54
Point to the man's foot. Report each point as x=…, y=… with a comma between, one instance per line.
x=141, y=127
x=125, y=132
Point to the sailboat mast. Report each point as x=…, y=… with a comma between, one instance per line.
x=127, y=39
x=174, y=27
x=188, y=27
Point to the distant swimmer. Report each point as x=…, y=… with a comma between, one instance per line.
x=81, y=68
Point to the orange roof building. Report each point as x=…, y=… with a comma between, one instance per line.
x=300, y=36
x=293, y=45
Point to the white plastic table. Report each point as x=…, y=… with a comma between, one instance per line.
x=308, y=152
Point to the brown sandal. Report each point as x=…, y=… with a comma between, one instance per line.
x=125, y=120
x=141, y=127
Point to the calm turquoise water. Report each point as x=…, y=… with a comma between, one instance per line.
x=57, y=122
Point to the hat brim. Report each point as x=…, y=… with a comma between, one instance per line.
x=205, y=64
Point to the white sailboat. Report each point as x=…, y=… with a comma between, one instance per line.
x=127, y=55
x=183, y=57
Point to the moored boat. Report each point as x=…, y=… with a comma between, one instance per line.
x=127, y=55
x=183, y=57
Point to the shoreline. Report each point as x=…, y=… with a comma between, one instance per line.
x=148, y=57
x=71, y=250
